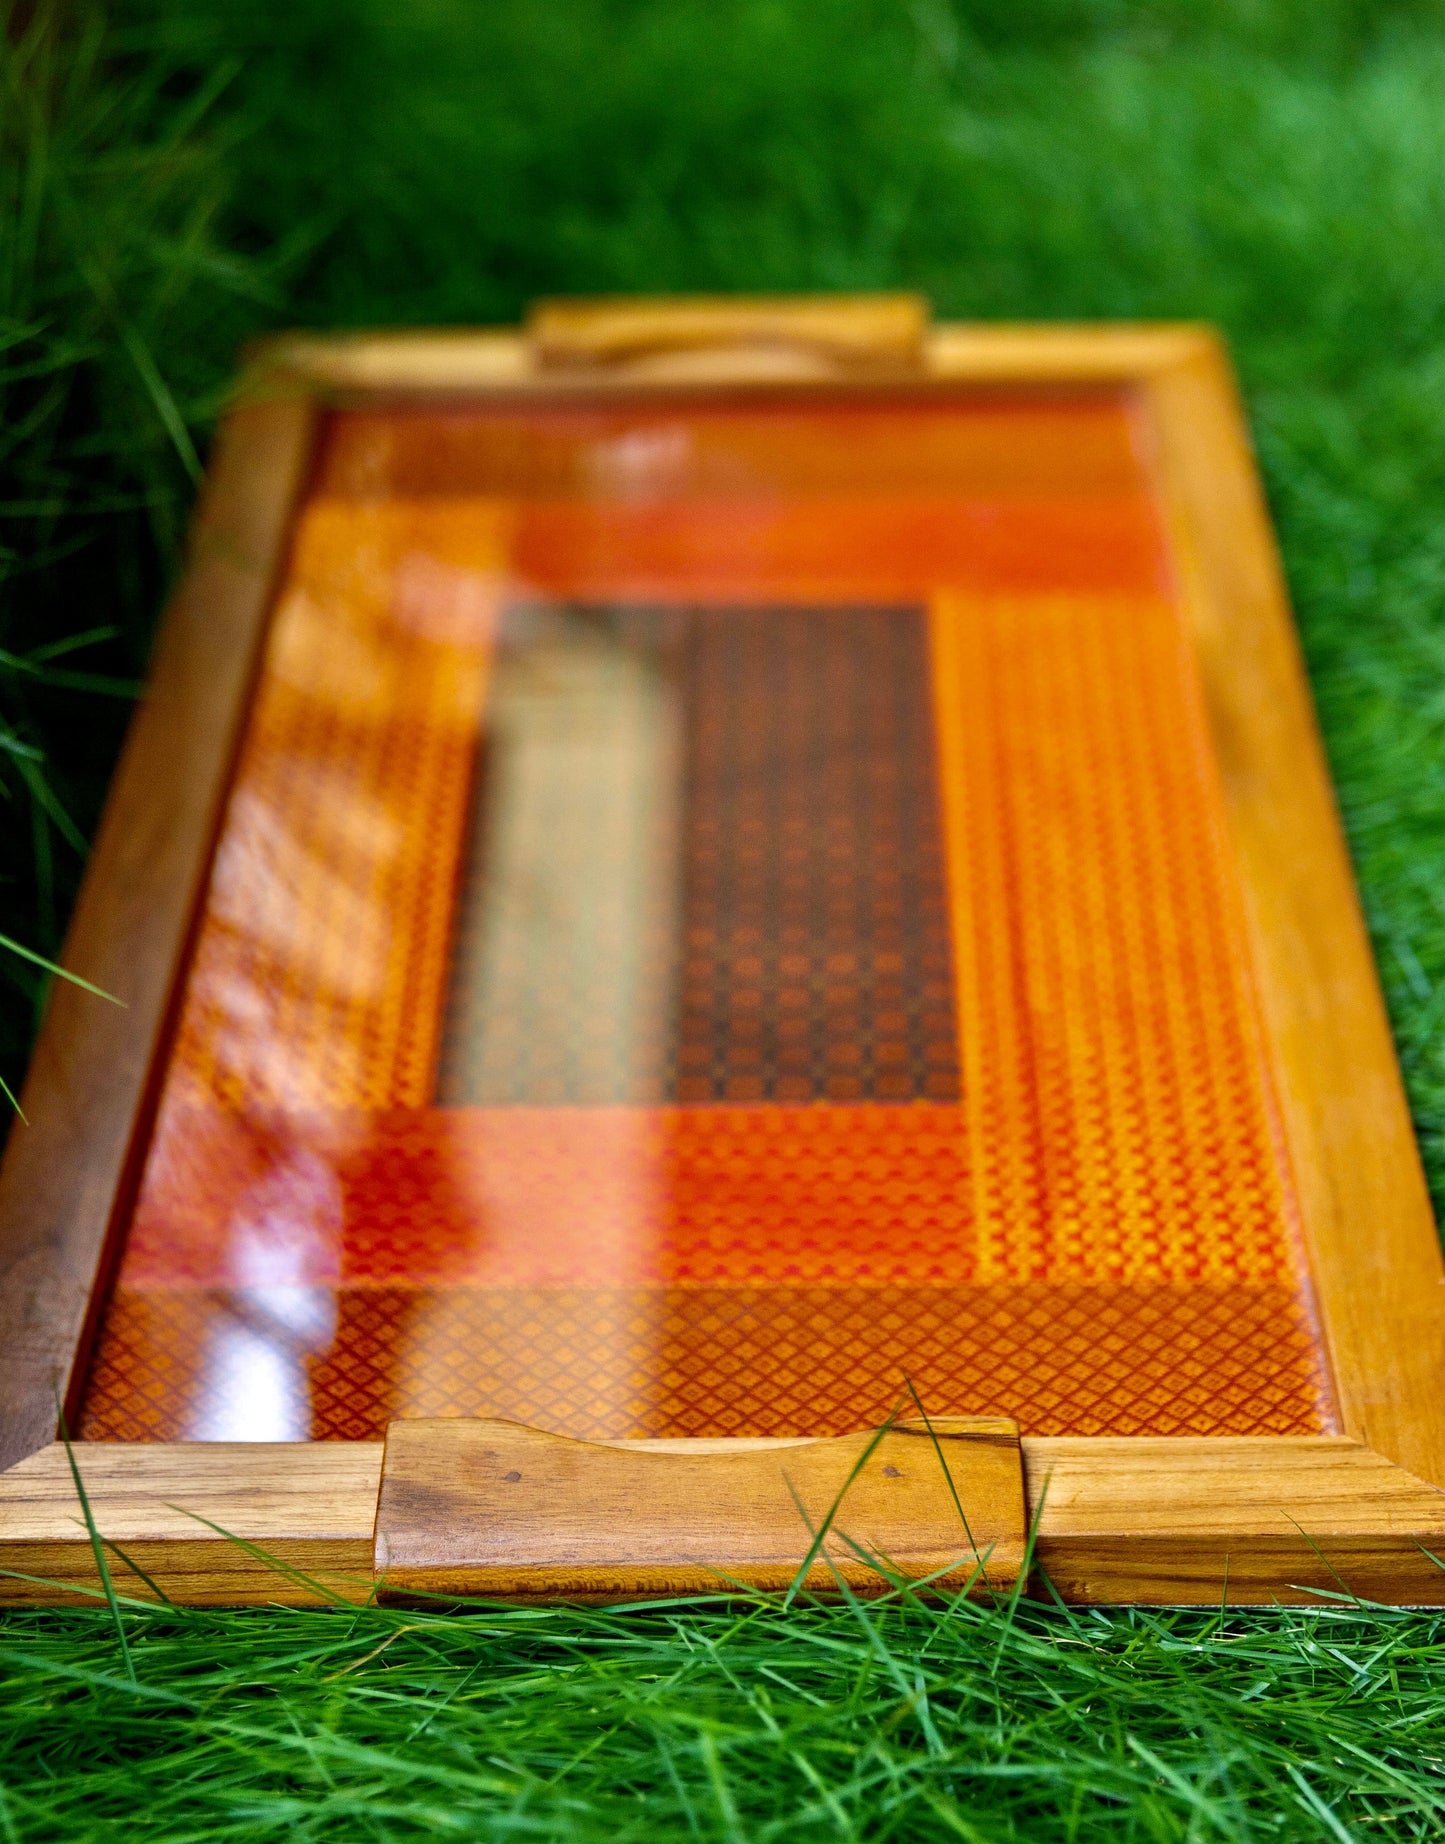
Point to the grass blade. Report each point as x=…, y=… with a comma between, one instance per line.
x=97, y=1549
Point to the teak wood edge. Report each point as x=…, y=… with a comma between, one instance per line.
x=448, y=362
x=310, y=1505
x=1143, y=1519
x=1367, y=1221
x=66, y=1174
x=1161, y=1521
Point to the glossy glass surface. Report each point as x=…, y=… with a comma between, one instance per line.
x=723, y=919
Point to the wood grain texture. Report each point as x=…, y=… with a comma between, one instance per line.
x=1178, y=1521
x=310, y=1505
x=85, y=1092
x=1368, y=1225
x=1161, y=1521
x=490, y=1507
x=849, y=331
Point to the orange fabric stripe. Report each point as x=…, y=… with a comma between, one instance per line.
x=828, y=548
x=1033, y=446
x=617, y=1363
x=548, y=1197
x=321, y=964
x=1114, y=1075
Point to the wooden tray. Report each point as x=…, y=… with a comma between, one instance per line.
x=1142, y=1182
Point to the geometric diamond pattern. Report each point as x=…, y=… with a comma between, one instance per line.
x=642, y=1362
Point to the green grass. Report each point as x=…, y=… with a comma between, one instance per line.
x=178, y=174
x=726, y=1723
x=120, y=306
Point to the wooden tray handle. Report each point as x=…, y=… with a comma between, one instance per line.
x=846, y=333
x=494, y=1508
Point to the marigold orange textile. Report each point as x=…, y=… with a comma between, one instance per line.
x=723, y=922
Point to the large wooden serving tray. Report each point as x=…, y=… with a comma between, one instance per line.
x=968, y=1141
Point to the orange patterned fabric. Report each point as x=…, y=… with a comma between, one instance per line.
x=1117, y=1095
x=608, y=1363
x=1081, y=1217
x=559, y=1197
x=322, y=961
x=836, y=548
x=981, y=448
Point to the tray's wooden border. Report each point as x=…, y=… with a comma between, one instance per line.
x=1155, y=1520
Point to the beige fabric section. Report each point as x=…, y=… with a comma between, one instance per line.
x=564, y=963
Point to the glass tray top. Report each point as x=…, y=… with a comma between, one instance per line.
x=722, y=925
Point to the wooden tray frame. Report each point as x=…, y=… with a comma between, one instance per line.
x=1154, y=1520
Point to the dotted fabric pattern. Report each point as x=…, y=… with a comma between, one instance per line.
x=1012, y=901
x=815, y=928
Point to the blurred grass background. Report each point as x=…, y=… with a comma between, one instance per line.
x=180, y=174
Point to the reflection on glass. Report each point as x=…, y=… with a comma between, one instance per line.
x=282, y=1241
